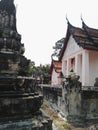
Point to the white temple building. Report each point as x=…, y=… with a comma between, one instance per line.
x=80, y=53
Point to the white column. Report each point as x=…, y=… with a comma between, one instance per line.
x=76, y=64
x=63, y=68
x=85, y=68
x=67, y=66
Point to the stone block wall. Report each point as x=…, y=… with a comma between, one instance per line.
x=73, y=102
x=90, y=104
x=38, y=122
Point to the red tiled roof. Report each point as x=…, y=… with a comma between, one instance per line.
x=57, y=65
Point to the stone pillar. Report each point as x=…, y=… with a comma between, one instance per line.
x=85, y=68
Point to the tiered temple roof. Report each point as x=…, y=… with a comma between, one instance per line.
x=85, y=37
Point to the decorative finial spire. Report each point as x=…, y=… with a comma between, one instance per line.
x=69, y=25
x=83, y=23
x=81, y=17
x=7, y=8
x=67, y=19
x=7, y=5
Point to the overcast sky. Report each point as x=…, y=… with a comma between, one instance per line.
x=43, y=22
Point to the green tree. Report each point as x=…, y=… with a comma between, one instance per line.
x=57, y=48
x=42, y=72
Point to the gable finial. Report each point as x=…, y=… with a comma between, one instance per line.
x=81, y=17
x=67, y=19
x=83, y=23
x=82, y=20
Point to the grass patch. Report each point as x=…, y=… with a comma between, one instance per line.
x=65, y=126
x=59, y=122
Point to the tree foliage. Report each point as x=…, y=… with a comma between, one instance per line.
x=42, y=73
x=57, y=48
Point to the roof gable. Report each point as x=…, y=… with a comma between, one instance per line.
x=85, y=37
x=71, y=47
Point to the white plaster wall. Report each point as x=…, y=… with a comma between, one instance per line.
x=72, y=50
x=93, y=69
x=54, y=80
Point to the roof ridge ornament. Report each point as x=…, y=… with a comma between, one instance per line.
x=67, y=20
x=84, y=26
x=81, y=18
x=83, y=23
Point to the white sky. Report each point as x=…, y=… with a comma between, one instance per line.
x=43, y=22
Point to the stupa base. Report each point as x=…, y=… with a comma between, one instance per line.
x=37, y=122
